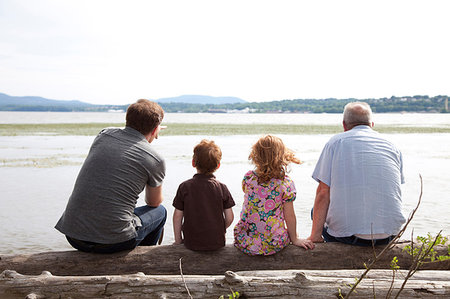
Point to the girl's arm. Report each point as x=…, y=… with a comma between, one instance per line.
x=177, y=222
x=229, y=216
x=291, y=223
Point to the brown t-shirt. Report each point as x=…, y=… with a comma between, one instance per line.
x=203, y=200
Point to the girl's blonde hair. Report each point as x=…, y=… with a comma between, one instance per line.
x=271, y=158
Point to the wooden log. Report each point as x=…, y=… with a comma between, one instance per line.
x=165, y=260
x=259, y=284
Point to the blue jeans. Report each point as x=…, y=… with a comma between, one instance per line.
x=152, y=219
x=352, y=240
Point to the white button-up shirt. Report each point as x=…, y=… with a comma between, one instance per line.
x=364, y=172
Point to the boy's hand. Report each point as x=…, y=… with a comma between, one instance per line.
x=178, y=242
x=307, y=244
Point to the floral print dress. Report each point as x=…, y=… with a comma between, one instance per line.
x=261, y=229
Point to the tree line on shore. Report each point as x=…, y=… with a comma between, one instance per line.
x=436, y=104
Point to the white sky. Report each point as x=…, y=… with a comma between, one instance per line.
x=114, y=52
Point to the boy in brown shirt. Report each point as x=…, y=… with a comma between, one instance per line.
x=203, y=204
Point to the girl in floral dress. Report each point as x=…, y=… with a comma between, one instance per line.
x=268, y=201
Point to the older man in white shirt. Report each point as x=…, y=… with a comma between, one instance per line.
x=358, y=200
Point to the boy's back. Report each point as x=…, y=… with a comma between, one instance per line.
x=203, y=200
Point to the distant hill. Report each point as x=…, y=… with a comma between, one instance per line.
x=31, y=100
x=199, y=99
x=32, y=103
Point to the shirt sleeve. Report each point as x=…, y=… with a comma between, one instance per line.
x=228, y=201
x=157, y=174
x=245, y=180
x=289, y=190
x=178, y=201
x=322, y=171
x=402, y=177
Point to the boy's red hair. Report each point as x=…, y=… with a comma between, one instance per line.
x=207, y=156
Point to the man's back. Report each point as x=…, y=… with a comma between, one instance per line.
x=119, y=165
x=364, y=173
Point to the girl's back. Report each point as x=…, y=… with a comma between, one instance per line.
x=261, y=229
x=268, y=201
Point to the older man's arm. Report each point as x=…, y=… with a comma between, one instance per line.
x=321, y=204
x=153, y=195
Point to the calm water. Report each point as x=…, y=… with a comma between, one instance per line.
x=37, y=173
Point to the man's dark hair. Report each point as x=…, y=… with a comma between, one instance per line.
x=144, y=116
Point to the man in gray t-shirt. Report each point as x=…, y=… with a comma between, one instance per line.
x=101, y=215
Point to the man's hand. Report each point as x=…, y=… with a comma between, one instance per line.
x=305, y=243
x=316, y=239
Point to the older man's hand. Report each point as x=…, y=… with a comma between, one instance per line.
x=316, y=239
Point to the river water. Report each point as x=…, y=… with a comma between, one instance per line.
x=37, y=173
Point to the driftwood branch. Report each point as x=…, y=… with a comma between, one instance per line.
x=165, y=260
x=256, y=284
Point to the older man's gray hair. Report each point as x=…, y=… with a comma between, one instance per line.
x=357, y=113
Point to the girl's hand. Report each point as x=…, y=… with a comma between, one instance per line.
x=307, y=244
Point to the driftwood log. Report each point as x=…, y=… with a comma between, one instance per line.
x=260, y=284
x=164, y=260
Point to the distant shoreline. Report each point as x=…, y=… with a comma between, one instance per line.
x=177, y=129
x=201, y=103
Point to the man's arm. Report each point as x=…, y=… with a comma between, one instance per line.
x=177, y=223
x=229, y=216
x=321, y=204
x=153, y=195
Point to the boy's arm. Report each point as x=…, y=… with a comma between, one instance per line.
x=177, y=222
x=229, y=217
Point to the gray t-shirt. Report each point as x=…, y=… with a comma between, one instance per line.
x=101, y=208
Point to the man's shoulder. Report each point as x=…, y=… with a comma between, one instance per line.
x=357, y=132
x=130, y=137
x=111, y=131
x=336, y=138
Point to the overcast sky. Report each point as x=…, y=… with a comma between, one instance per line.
x=114, y=52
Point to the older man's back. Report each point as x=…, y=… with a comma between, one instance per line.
x=359, y=174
